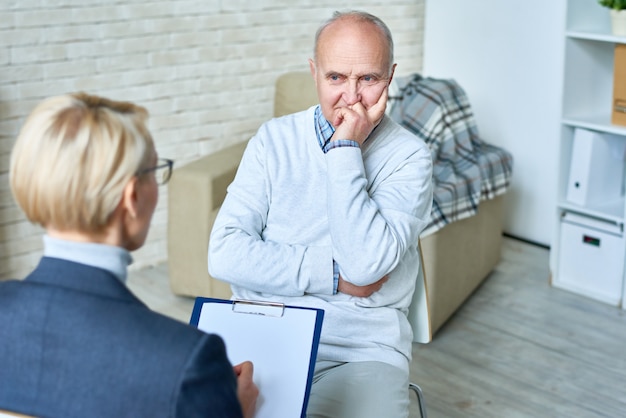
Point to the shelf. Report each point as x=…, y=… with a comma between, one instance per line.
x=587, y=103
x=600, y=123
x=609, y=211
x=596, y=36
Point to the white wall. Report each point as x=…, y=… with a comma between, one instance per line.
x=205, y=70
x=508, y=58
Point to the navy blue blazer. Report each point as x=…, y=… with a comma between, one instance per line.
x=75, y=342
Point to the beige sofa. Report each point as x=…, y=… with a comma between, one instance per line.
x=456, y=258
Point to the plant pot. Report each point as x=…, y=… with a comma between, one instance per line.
x=618, y=22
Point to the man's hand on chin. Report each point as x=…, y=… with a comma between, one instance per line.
x=357, y=123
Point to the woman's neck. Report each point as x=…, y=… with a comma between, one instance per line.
x=104, y=237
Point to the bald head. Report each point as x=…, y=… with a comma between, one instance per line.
x=363, y=22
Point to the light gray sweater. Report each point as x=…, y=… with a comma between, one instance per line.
x=292, y=210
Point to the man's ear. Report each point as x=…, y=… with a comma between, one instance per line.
x=129, y=198
x=313, y=70
x=393, y=70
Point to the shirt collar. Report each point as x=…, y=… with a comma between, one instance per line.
x=107, y=257
x=323, y=129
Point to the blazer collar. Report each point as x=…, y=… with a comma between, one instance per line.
x=80, y=277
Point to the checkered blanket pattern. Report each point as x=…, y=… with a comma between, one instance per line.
x=466, y=169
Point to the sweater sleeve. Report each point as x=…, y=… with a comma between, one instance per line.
x=238, y=253
x=373, y=223
x=209, y=385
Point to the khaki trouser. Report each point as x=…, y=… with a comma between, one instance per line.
x=368, y=389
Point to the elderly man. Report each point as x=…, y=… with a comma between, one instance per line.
x=325, y=211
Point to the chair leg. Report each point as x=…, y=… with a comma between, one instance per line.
x=420, y=398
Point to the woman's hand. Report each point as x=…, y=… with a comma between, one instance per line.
x=247, y=391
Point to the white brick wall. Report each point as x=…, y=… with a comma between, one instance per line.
x=204, y=69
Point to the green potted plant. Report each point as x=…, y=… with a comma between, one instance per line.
x=618, y=15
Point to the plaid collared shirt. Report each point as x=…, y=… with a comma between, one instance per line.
x=324, y=131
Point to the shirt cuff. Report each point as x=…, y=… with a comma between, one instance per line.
x=335, y=277
x=339, y=143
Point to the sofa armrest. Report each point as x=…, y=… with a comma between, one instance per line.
x=195, y=194
x=458, y=258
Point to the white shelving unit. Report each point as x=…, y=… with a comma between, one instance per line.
x=583, y=263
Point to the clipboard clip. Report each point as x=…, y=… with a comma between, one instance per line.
x=275, y=309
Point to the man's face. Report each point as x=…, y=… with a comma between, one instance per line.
x=352, y=66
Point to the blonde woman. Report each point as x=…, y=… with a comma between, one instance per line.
x=75, y=342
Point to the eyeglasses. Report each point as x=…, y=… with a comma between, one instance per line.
x=163, y=170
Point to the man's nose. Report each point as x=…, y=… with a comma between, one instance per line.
x=352, y=93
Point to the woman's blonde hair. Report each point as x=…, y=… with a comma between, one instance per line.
x=74, y=156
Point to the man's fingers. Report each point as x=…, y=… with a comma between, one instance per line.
x=356, y=122
x=340, y=114
x=377, y=111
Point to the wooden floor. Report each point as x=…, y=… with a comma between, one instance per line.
x=516, y=348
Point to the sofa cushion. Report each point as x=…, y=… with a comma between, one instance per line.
x=301, y=83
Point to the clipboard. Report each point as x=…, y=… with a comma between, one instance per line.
x=280, y=340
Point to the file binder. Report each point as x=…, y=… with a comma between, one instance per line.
x=280, y=340
x=596, y=168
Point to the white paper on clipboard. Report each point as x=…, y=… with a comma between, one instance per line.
x=281, y=341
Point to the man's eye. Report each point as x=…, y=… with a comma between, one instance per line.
x=369, y=79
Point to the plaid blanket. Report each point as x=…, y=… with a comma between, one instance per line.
x=466, y=169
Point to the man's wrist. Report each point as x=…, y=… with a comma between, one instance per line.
x=340, y=143
x=335, y=277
